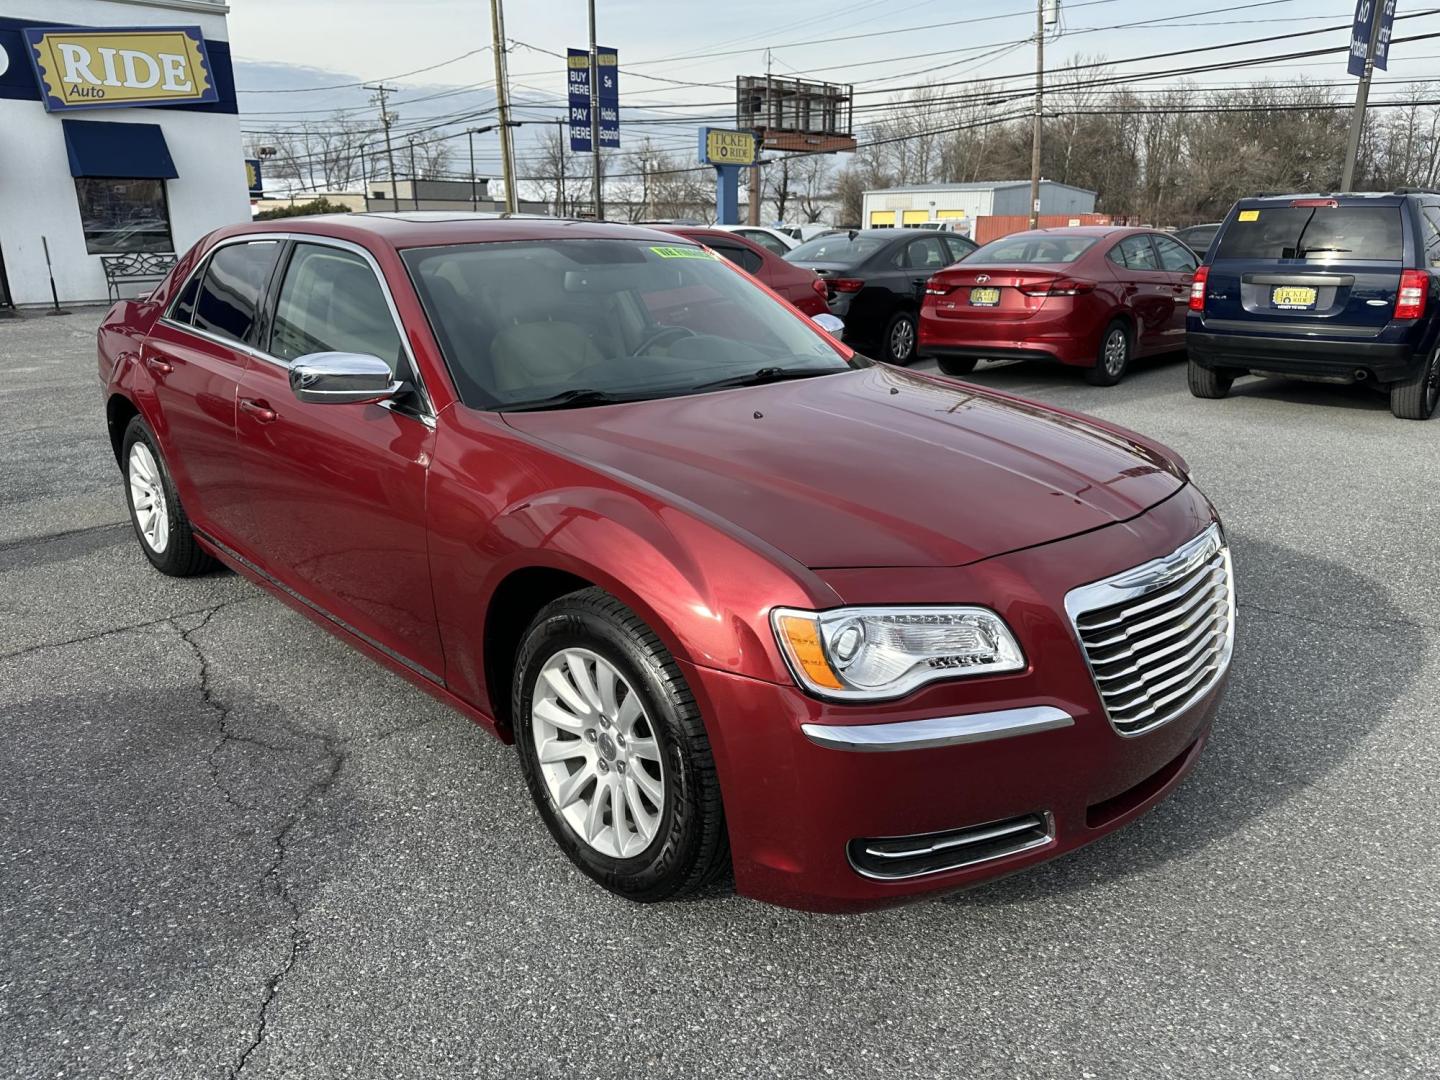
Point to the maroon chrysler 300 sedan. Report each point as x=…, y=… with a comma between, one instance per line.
x=737, y=594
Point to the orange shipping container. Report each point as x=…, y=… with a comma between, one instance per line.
x=991, y=226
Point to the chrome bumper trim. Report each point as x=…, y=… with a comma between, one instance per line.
x=939, y=731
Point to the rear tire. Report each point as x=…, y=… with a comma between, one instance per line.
x=899, y=340
x=1208, y=383
x=626, y=782
x=1416, y=398
x=956, y=365
x=160, y=522
x=1114, y=358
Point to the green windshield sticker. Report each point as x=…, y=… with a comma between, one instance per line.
x=682, y=253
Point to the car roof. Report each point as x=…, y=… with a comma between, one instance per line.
x=1379, y=198
x=430, y=228
x=1082, y=230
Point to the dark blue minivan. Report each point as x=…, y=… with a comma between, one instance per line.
x=1337, y=288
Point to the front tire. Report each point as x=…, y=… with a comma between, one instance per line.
x=1207, y=382
x=899, y=338
x=614, y=750
x=1416, y=397
x=160, y=522
x=1114, y=358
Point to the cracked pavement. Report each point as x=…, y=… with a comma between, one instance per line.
x=229, y=845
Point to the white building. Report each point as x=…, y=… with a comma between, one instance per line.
x=961, y=204
x=115, y=136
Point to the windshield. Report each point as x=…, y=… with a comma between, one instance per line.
x=1371, y=233
x=839, y=248
x=582, y=322
x=1031, y=248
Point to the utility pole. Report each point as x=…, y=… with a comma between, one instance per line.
x=474, y=192
x=414, y=185
x=595, y=121
x=386, y=119
x=1039, y=113
x=1362, y=97
x=560, y=207
x=502, y=99
x=757, y=187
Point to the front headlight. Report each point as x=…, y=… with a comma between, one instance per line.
x=872, y=653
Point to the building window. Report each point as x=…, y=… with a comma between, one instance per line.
x=123, y=215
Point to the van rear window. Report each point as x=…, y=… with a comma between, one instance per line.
x=1321, y=233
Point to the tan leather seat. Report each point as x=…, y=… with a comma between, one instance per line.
x=535, y=355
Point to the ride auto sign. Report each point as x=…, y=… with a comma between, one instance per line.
x=120, y=67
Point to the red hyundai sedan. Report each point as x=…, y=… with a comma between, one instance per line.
x=798, y=284
x=1091, y=297
x=737, y=594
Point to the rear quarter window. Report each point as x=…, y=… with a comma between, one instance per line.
x=1330, y=234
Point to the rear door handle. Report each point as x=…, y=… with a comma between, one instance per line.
x=159, y=365
x=263, y=413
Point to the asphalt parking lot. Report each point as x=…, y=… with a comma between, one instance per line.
x=231, y=845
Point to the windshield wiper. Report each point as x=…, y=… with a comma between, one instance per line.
x=567, y=399
x=1310, y=251
x=768, y=375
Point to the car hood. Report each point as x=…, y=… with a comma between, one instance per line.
x=874, y=467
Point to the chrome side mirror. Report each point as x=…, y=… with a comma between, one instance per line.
x=339, y=378
x=831, y=324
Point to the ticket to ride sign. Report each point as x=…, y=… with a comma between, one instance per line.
x=120, y=67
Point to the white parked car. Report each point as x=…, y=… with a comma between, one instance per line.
x=770, y=239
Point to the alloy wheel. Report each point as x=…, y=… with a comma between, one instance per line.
x=1432, y=384
x=147, y=498
x=597, y=753
x=902, y=339
x=1116, y=347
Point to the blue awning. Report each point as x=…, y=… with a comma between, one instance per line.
x=130, y=151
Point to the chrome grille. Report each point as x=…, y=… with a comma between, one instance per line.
x=1158, y=637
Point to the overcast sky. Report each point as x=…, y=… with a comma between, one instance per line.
x=282, y=44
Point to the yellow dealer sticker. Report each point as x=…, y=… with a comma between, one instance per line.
x=682, y=253
x=97, y=69
x=1249, y=215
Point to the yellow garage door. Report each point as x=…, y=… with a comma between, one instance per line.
x=914, y=217
x=879, y=218
x=950, y=215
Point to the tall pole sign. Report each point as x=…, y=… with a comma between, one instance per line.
x=728, y=152
x=1369, y=49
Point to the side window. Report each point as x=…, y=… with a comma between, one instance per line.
x=182, y=309
x=1116, y=256
x=959, y=247
x=742, y=257
x=1430, y=215
x=926, y=254
x=1138, y=253
x=1175, y=256
x=330, y=301
x=229, y=298
x=765, y=240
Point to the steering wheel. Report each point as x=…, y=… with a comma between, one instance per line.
x=660, y=335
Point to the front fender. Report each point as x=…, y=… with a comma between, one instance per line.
x=503, y=506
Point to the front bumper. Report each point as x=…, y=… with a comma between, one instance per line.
x=1323, y=358
x=813, y=789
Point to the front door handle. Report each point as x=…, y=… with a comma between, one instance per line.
x=263, y=413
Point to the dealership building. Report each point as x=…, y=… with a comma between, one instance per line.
x=960, y=204
x=119, y=139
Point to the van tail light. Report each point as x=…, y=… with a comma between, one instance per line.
x=1410, y=302
x=1197, y=289
x=846, y=284
x=1059, y=287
